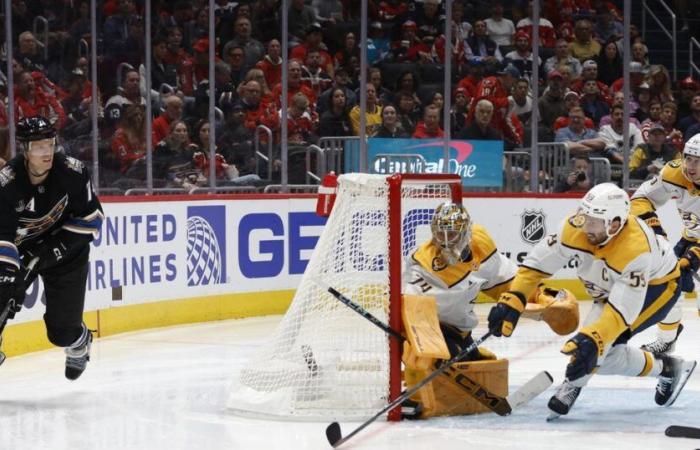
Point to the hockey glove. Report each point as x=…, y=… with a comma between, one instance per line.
x=11, y=288
x=686, y=280
x=584, y=351
x=56, y=249
x=691, y=258
x=504, y=316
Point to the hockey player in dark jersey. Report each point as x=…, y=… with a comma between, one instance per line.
x=49, y=214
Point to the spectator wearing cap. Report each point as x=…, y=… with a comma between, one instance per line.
x=562, y=55
x=571, y=100
x=172, y=111
x=294, y=86
x=480, y=47
x=195, y=69
x=584, y=47
x=499, y=28
x=521, y=101
x=429, y=127
x=649, y=158
x=619, y=99
x=410, y=47
x=271, y=63
x=75, y=104
x=692, y=119
x=593, y=102
x=636, y=78
x=378, y=44
x=687, y=88
x=313, y=75
x=667, y=119
x=548, y=37
x=643, y=99
x=340, y=81
x=31, y=100
x=590, y=72
x=496, y=89
x=521, y=57
x=610, y=64
x=301, y=18
x=314, y=41
x=551, y=105
x=481, y=127
x=373, y=114
x=252, y=48
x=460, y=107
x=429, y=20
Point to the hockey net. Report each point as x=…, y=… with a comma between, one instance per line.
x=324, y=360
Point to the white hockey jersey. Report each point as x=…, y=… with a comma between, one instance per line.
x=619, y=271
x=456, y=286
x=671, y=184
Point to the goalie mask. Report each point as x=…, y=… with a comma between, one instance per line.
x=452, y=230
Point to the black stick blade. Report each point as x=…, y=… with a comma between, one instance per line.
x=683, y=432
x=333, y=433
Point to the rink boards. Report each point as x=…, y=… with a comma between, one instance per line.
x=190, y=259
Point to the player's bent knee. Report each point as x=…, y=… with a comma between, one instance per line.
x=63, y=336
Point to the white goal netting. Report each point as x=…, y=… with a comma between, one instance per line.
x=324, y=360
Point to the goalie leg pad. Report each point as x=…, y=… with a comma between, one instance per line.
x=443, y=397
x=558, y=308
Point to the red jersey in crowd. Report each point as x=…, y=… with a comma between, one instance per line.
x=490, y=88
x=124, y=150
x=422, y=133
x=272, y=70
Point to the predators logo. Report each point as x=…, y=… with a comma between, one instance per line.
x=690, y=220
x=32, y=227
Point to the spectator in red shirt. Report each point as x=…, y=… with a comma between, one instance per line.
x=31, y=100
x=391, y=10
x=313, y=40
x=636, y=78
x=429, y=128
x=257, y=112
x=301, y=123
x=548, y=37
x=571, y=100
x=410, y=47
x=294, y=86
x=161, y=124
x=667, y=119
x=129, y=140
x=195, y=69
x=271, y=64
x=590, y=72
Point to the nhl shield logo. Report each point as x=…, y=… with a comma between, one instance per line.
x=532, y=228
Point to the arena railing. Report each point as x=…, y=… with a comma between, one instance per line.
x=291, y=188
x=671, y=35
x=267, y=158
x=694, y=44
x=340, y=152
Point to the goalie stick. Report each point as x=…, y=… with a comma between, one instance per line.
x=683, y=432
x=500, y=405
x=10, y=306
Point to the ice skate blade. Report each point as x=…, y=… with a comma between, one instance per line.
x=553, y=417
x=689, y=367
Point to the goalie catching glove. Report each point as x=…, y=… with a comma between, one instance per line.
x=504, y=316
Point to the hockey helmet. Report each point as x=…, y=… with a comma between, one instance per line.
x=36, y=128
x=608, y=202
x=692, y=147
x=451, y=227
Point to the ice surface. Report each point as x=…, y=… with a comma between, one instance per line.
x=166, y=389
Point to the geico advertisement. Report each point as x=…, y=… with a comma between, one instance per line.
x=158, y=251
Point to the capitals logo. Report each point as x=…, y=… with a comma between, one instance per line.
x=206, y=245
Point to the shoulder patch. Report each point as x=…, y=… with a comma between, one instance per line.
x=74, y=164
x=7, y=174
x=577, y=220
x=676, y=163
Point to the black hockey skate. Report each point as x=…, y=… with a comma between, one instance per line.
x=78, y=355
x=562, y=401
x=674, y=375
x=659, y=347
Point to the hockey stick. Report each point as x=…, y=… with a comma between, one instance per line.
x=683, y=432
x=500, y=405
x=333, y=432
x=10, y=306
x=494, y=402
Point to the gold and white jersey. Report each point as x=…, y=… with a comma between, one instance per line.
x=619, y=271
x=456, y=286
x=671, y=184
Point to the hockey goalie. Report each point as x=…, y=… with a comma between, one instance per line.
x=441, y=281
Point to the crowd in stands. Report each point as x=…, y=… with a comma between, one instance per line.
x=579, y=67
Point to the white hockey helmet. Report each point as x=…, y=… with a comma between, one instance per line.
x=692, y=147
x=608, y=202
x=451, y=227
